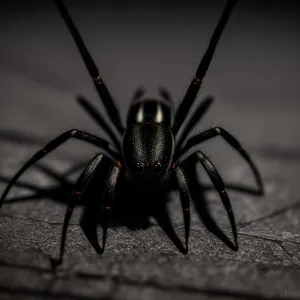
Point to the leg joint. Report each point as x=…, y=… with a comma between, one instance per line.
x=219, y=130
x=73, y=132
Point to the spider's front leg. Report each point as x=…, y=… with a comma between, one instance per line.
x=93, y=172
x=189, y=167
x=195, y=85
x=185, y=202
x=101, y=88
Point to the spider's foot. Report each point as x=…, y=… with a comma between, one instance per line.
x=55, y=263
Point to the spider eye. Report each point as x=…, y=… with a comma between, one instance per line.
x=157, y=168
x=138, y=168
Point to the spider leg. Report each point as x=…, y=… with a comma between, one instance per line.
x=100, y=120
x=196, y=192
x=220, y=187
x=194, y=87
x=77, y=134
x=101, y=88
x=88, y=224
x=161, y=215
x=110, y=196
x=165, y=94
x=218, y=131
x=139, y=92
x=185, y=202
x=197, y=115
x=83, y=183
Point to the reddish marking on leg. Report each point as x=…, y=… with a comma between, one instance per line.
x=186, y=209
x=223, y=191
x=77, y=193
x=107, y=207
x=98, y=80
x=119, y=164
x=197, y=81
x=70, y=209
x=174, y=165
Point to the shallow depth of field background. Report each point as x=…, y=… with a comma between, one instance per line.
x=254, y=78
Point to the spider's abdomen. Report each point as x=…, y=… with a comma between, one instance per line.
x=150, y=110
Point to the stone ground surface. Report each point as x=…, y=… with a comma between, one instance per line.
x=39, y=85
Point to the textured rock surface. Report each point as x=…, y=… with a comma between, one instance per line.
x=37, y=104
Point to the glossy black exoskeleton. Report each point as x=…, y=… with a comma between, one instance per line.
x=148, y=145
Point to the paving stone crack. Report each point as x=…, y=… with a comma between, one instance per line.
x=271, y=215
x=293, y=260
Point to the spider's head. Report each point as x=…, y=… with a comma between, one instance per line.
x=148, y=150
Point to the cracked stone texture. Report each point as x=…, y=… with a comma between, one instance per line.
x=254, y=78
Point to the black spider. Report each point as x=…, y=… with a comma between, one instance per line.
x=148, y=162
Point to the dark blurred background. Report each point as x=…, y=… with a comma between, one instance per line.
x=255, y=69
x=254, y=78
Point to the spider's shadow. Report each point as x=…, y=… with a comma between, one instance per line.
x=130, y=211
x=134, y=214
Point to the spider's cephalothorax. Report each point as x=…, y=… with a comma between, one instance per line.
x=148, y=145
x=146, y=156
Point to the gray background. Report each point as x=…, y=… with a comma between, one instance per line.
x=254, y=78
